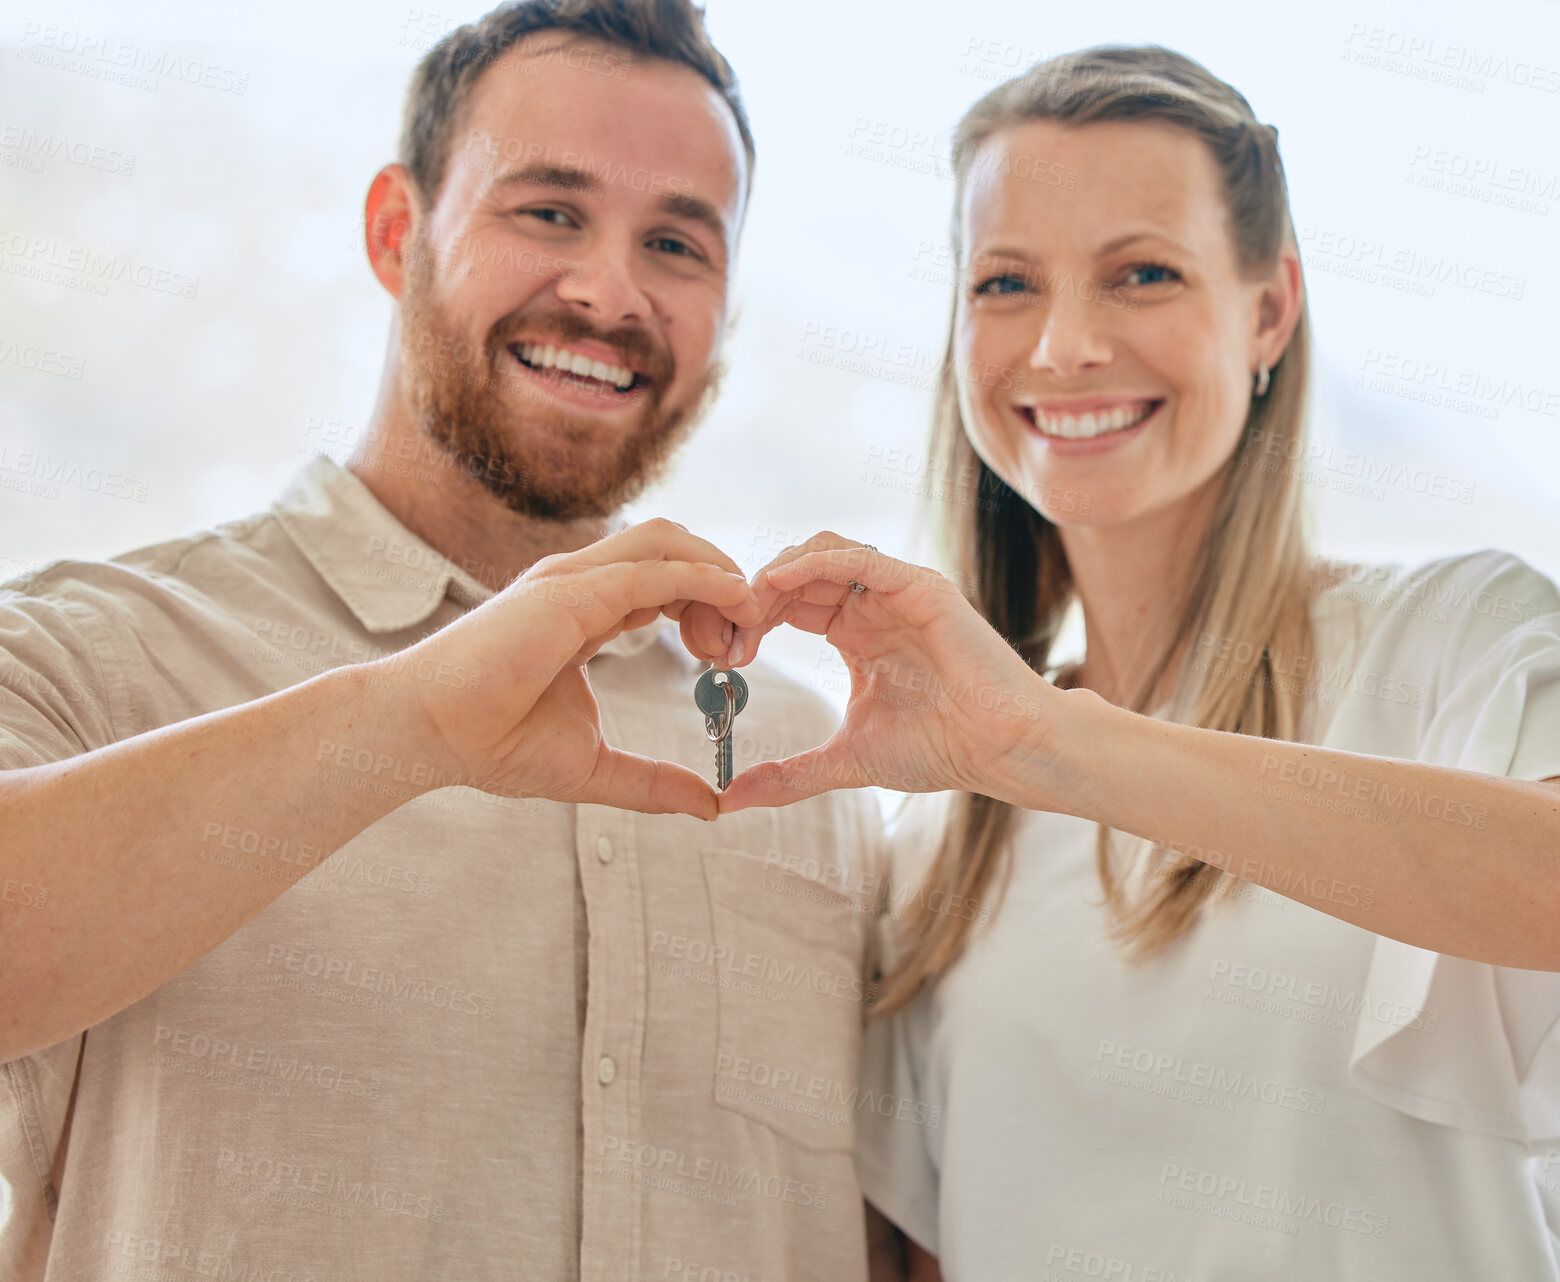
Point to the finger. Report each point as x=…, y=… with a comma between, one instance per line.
x=708, y=642
x=654, y=540
x=791, y=611
x=640, y=618
x=872, y=570
x=815, y=600
x=632, y=782
x=609, y=593
x=706, y=632
x=780, y=783
x=823, y=541
x=817, y=619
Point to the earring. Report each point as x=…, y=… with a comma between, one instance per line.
x=1262, y=380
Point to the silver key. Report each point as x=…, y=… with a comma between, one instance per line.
x=721, y=695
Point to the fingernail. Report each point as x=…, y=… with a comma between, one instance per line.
x=735, y=657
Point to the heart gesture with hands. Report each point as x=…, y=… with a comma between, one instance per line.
x=938, y=700
x=530, y=725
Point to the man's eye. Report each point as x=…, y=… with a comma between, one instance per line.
x=1000, y=285
x=1150, y=274
x=554, y=216
x=674, y=246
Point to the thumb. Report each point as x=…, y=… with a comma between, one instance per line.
x=779, y=783
x=632, y=782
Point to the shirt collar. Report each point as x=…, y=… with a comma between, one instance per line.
x=389, y=578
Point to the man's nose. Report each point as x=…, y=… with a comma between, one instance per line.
x=602, y=281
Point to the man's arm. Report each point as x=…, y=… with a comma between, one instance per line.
x=117, y=835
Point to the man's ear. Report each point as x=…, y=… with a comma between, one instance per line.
x=390, y=216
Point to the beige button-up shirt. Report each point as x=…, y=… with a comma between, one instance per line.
x=488, y=1037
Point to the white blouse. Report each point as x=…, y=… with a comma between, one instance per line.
x=1282, y=1095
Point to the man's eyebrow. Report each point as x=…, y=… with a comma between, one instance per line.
x=678, y=204
x=696, y=209
x=559, y=177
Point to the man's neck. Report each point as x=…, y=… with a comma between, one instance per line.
x=450, y=511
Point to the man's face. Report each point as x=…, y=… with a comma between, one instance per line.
x=566, y=293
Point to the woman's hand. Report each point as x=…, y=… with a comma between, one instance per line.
x=938, y=699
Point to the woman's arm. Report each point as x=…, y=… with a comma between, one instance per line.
x=1449, y=860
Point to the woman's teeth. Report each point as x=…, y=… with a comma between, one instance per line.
x=546, y=356
x=1087, y=425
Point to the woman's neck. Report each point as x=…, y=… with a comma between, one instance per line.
x=1131, y=579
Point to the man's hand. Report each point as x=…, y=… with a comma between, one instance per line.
x=529, y=725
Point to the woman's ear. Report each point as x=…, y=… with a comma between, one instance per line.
x=1278, y=308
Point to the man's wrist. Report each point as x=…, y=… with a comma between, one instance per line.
x=388, y=716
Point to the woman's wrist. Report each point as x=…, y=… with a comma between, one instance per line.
x=1063, y=754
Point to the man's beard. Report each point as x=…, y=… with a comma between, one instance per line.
x=539, y=459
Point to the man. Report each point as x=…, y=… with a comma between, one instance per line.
x=345, y=934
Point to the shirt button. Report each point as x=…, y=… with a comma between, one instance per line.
x=606, y=1070
x=603, y=850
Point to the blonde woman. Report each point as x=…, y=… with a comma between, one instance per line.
x=1161, y=997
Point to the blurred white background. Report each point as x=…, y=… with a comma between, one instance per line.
x=1412, y=134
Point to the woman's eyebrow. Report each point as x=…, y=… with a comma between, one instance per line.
x=1120, y=242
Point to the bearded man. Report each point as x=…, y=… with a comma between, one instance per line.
x=371, y=919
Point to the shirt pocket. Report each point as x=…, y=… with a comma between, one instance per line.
x=790, y=999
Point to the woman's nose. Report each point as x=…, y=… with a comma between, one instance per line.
x=1073, y=334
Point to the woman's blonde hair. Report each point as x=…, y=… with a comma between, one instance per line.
x=1248, y=597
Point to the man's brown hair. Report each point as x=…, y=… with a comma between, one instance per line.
x=441, y=87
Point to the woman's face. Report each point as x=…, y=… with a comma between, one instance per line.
x=1104, y=337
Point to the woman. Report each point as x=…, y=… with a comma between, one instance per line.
x=1147, y=1064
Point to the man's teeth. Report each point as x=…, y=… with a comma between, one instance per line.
x=546, y=356
x=1088, y=425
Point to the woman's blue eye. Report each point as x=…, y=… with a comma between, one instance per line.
x=1000, y=285
x=1163, y=274
x=546, y=215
